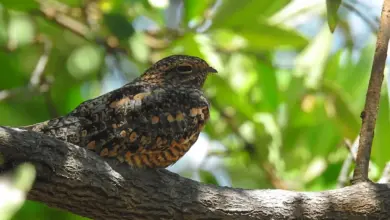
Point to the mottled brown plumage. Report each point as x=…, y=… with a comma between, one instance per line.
x=149, y=122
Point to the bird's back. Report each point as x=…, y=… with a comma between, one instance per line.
x=146, y=127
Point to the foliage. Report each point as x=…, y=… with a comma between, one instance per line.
x=283, y=103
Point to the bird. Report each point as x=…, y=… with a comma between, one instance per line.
x=150, y=122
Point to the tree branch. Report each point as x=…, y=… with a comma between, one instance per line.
x=371, y=107
x=79, y=181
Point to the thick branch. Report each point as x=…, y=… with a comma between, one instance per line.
x=371, y=107
x=77, y=180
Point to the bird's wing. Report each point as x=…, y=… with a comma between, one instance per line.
x=134, y=123
x=149, y=123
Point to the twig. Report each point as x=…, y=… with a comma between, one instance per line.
x=343, y=178
x=92, y=14
x=52, y=13
x=55, y=11
x=371, y=107
x=353, y=148
x=37, y=74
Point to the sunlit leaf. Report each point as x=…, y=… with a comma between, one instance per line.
x=258, y=38
x=187, y=45
x=14, y=189
x=20, y=31
x=244, y=12
x=268, y=86
x=84, y=61
x=194, y=9
x=311, y=61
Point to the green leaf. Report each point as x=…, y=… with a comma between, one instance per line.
x=194, y=9
x=240, y=104
x=208, y=177
x=21, y=30
x=268, y=86
x=118, y=25
x=331, y=7
x=248, y=12
x=346, y=119
x=351, y=75
x=381, y=142
x=272, y=37
x=20, y=5
x=242, y=73
x=311, y=62
x=258, y=38
x=187, y=45
x=84, y=61
x=275, y=7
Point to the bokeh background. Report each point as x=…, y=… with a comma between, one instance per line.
x=285, y=104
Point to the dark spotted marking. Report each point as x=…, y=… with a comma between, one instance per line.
x=149, y=122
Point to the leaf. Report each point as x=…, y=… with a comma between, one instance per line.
x=258, y=38
x=240, y=104
x=276, y=6
x=188, y=45
x=14, y=189
x=381, y=142
x=312, y=60
x=84, y=61
x=247, y=12
x=242, y=73
x=350, y=74
x=21, y=30
x=20, y=5
x=118, y=25
x=345, y=117
x=208, y=177
x=331, y=8
x=268, y=86
x=194, y=9
x=268, y=37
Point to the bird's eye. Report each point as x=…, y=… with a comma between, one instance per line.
x=184, y=69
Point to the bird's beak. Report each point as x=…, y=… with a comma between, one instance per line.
x=211, y=70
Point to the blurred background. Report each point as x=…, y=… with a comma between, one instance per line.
x=285, y=104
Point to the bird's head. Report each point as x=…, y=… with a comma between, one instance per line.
x=178, y=70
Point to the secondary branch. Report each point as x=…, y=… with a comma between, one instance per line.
x=371, y=107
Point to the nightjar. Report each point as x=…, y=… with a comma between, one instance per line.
x=149, y=122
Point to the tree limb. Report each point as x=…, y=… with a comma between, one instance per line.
x=371, y=107
x=79, y=181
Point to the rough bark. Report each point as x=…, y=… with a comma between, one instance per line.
x=77, y=180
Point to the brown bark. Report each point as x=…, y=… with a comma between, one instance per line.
x=371, y=106
x=77, y=180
